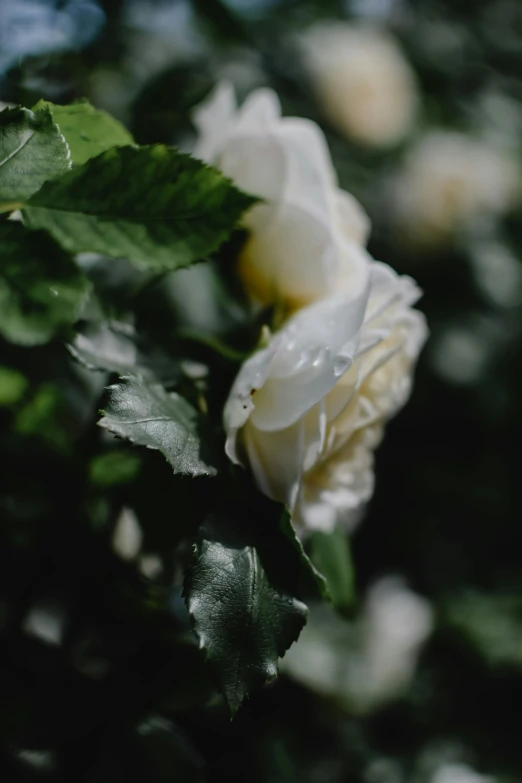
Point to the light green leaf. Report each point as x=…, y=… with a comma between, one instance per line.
x=32, y=150
x=244, y=622
x=156, y=207
x=41, y=417
x=87, y=131
x=41, y=289
x=149, y=416
x=12, y=386
x=331, y=554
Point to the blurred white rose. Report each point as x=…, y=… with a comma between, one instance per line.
x=369, y=661
x=46, y=620
x=306, y=238
x=459, y=773
x=363, y=82
x=308, y=411
x=448, y=181
x=395, y=625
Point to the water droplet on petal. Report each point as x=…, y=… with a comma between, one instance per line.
x=341, y=364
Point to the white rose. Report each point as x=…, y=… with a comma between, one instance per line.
x=395, y=624
x=307, y=238
x=308, y=411
x=450, y=179
x=363, y=82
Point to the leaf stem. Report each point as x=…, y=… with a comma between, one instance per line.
x=213, y=343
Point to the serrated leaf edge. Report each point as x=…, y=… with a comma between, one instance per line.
x=210, y=473
x=270, y=675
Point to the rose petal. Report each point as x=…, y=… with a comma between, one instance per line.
x=213, y=119
x=355, y=223
x=316, y=348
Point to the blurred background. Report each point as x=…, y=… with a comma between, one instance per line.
x=421, y=103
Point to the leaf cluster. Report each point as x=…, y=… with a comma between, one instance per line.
x=100, y=313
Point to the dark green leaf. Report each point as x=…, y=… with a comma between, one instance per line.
x=115, y=347
x=169, y=753
x=157, y=207
x=149, y=416
x=331, y=554
x=244, y=622
x=155, y=751
x=32, y=150
x=224, y=21
x=41, y=289
x=87, y=131
x=289, y=531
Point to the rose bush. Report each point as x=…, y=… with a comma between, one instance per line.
x=307, y=411
x=307, y=236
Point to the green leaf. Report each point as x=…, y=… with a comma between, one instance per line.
x=149, y=416
x=115, y=347
x=41, y=289
x=114, y=467
x=87, y=131
x=32, y=150
x=331, y=554
x=289, y=531
x=40, y=417
x=157, y=207
x=243, y=620
x=12, y=386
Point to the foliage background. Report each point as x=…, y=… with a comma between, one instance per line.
x=109, y=702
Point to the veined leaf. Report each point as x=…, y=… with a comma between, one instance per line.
x=41, y=288
x=149, y=416
x=243, y=620
x=157, y=207
x=87, y=131
x=32, y=150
